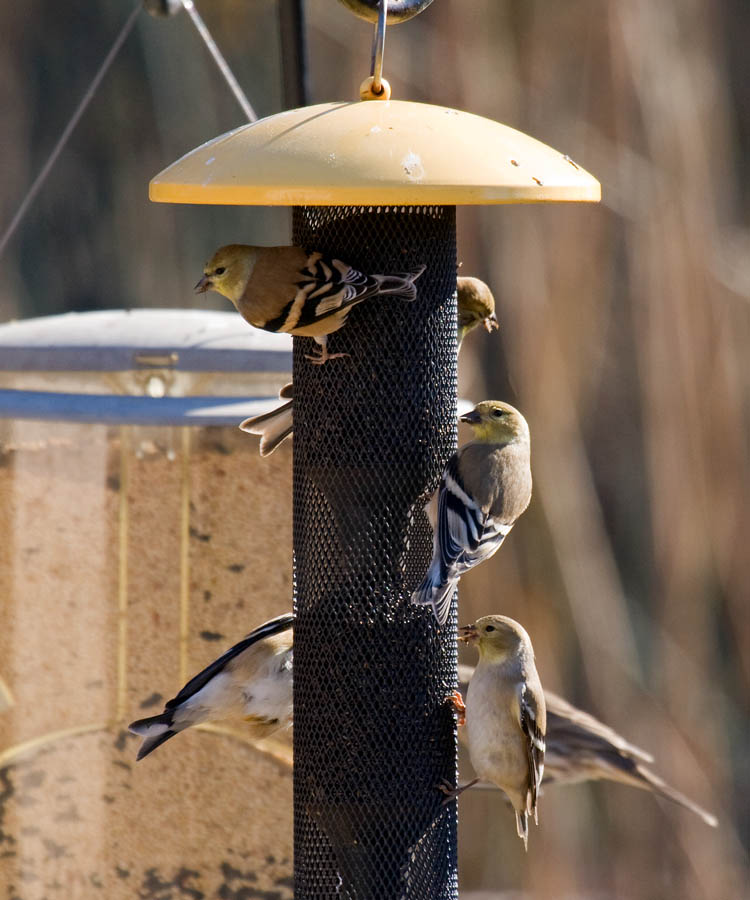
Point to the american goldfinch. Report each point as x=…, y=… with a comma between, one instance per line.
x=505, y=715
x=581, y=748
x=485, y=487
x=251, y=681
x=290, y=290
x=476, y=305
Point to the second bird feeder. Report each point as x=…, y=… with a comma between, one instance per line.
x=376, y=185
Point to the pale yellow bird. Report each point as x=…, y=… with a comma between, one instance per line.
x=505, y=715
x=485, y=487
x=476, y=306
x=581, y=748
x=289, y=290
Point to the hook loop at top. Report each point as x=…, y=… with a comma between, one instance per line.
x=366, y=91
x=398, y=10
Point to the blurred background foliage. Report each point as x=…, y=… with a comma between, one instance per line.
x=625, y=339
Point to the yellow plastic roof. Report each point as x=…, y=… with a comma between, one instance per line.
x=374, y=152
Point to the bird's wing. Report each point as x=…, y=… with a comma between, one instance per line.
x=585, y=732
x=580, y=748
x=466, y=535
x=325, y=287
x=272, y=627
x=535, y=742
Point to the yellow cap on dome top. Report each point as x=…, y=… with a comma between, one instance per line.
x=390, y=152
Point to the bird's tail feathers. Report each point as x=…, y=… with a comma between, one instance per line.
x=400, y=283
x=522, y=827
x=274, y=427
x=154, y=731
x=650, y=780
x=435, y=593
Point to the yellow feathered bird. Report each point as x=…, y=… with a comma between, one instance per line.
x=485, y=487
x=505, y=715
x=289, y=290
x=476, y=306
x=579, y=747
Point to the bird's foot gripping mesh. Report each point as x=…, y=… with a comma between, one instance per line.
x=373, y=733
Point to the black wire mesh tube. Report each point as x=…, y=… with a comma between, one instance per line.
x=373, y=735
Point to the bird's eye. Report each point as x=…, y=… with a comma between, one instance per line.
x=498, y=413
x=490, y=628
x=220, y=271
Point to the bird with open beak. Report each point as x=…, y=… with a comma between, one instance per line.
x=505, y=715
x=579, y=748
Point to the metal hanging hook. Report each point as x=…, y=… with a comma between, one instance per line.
x=383, y=12
x=378, y=48
x=376, y=87
x=398, y=10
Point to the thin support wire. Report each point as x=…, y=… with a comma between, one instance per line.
x=68, y=130
x=378, y=48
x=223, y=65
x=94, y=86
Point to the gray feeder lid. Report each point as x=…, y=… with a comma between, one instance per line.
x=219, y=347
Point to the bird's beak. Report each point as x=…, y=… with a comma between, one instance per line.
x=471, y=418
x=491, y=323
x=205, y=284
x=468, y=634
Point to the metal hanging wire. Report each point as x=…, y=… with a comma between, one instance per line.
x=378, y=49
x=68, y=130
x=159, y=9
x=222, y=64
x=376, y=87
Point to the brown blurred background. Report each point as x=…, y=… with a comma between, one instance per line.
x=625, y=336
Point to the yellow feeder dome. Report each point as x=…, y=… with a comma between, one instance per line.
x=389, y=152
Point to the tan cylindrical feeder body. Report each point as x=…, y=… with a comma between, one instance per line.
x=375, y=184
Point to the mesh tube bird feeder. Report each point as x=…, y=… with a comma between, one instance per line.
x=376, y=185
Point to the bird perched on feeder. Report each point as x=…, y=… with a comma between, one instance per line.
x=581, y=748
x=251, y=681
x=476, y=306
x=485, y=487
x=505, y=715
x=290, y=290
